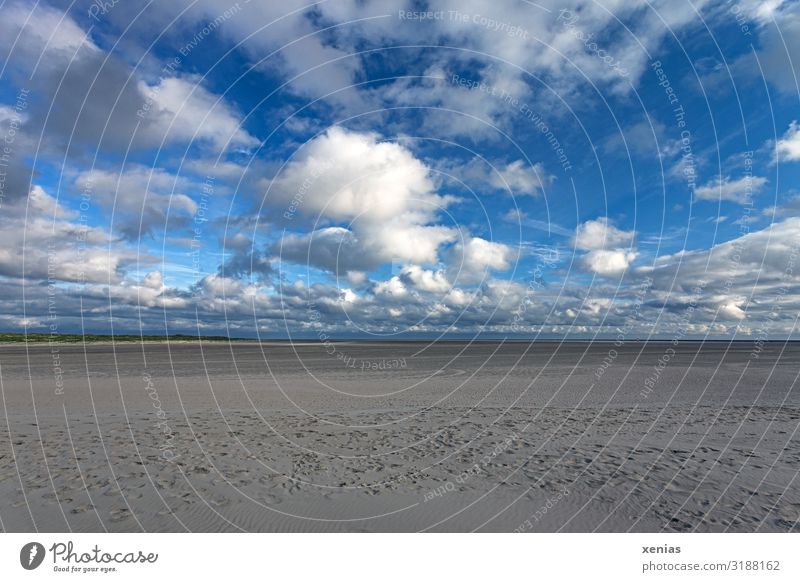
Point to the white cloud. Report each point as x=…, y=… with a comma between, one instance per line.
x=357, y=278
x=520, y=178
x=400, y=241
x=601, y=234
x=756, y=271
x=181, y=110
x=346, y=175
x=749, y=284
x=42, y=243
x=779, y=45
x=517, y=178
x=393, y=287
x=41, y=36
x=381, y=193
x=608, y=262
x=740, y=191
x=340, y=250
x=315, y=65
x=99, y=98
x=732, y=309
x=609, y=248
x=471, y=261
x=333, y=249
x=143, y=198
x=376, y=201
x=327, y=65
x=788, y=147
x=149, y=292
x=763, y=11
x=426, y=280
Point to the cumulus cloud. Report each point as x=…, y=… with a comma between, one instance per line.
x=40, y=36
x=788, y=147
x=182, y=110
x=333, y=249
x=143, y=199
x=425, y=280
x=251, y=262
x=347, y=175
x=606, y=245
x=755, y=274
x=601, y=234
x=608, y=262
x=150, y=291
x=351, y=201
x=99, y=99
x=749, y=283
x=779, y=39
x=380, y=194
x=42, y=241
x=339, y=250
x=740, y=191
x=472, y=260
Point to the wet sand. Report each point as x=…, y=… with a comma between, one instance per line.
x=400, y=437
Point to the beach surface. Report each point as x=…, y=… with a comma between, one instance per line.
x=357, y=436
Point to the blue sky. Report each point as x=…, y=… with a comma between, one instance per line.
x=397, y=169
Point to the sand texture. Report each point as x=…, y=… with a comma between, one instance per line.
x=399, y=437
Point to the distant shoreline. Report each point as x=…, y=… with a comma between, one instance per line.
x=73, y=338
x=41, y=338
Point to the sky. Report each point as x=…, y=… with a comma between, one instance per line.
x=386, y=169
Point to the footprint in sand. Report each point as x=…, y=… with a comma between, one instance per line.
x=118, y=515
x=219, y=501
x=81, y=509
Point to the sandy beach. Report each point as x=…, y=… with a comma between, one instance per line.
x=400, y=437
